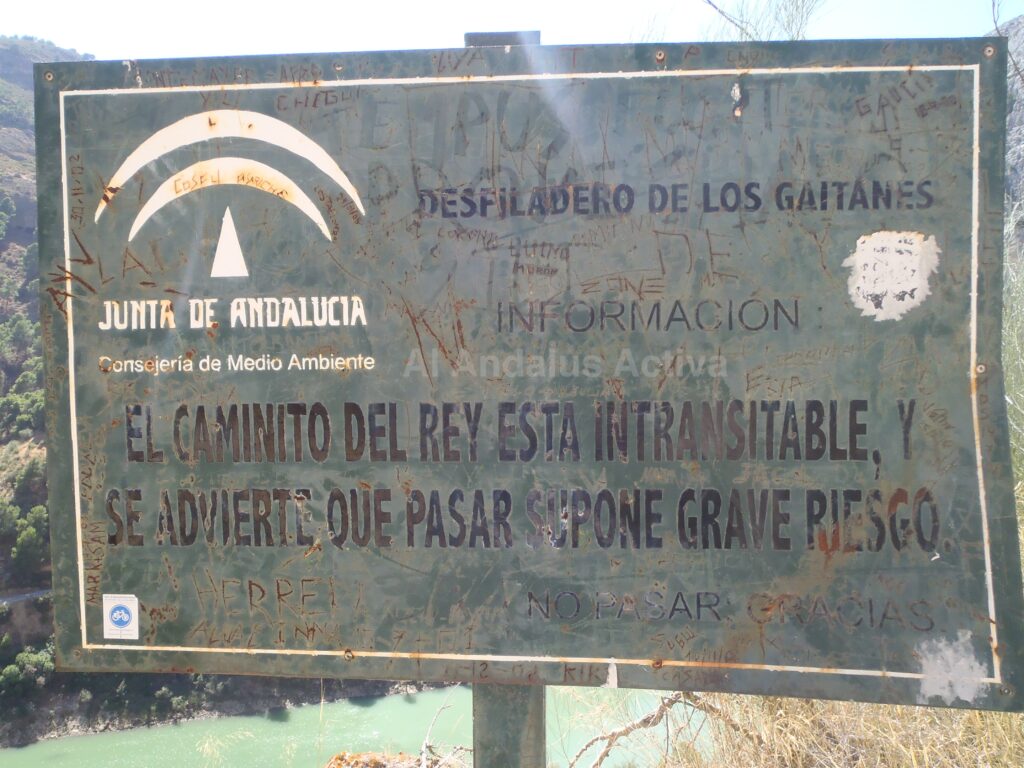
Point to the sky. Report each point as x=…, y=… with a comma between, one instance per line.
x=187, y=28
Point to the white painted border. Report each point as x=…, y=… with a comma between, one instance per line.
x=736, y=72
x=973, y=374
x=73, y=406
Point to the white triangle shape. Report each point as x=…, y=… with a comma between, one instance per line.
x=228, y=260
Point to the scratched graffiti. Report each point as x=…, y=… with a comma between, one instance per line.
x=661, y=366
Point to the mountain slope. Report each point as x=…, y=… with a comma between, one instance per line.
x=17, y=135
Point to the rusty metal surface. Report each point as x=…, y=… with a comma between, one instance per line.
x=659, y=366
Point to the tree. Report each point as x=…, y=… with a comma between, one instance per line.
x=31, y=669
x=30, y=484
x=765, y=19
x=9, y=516
x=6, y=213
x=31, y=547
x=31, y=377
x=19, y=340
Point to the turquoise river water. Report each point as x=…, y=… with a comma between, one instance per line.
x=307, y=736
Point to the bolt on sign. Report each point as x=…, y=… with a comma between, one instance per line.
x=653, y=366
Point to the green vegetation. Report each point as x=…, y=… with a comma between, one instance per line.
x=24, y=522
x=32, y=541
x=6, y=208
x=15, y=106
x=26, y=674
x=17, y=140
x=30, y=669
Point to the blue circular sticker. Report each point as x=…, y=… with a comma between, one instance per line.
x=120, y=616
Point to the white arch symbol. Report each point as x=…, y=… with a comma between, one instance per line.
x=226, y=123
x=229, y=170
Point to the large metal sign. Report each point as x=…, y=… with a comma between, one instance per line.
x=661, y=366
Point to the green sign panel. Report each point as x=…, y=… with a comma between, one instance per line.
x=652, y=366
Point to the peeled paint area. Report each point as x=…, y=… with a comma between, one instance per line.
x=889, y=273
x=950, y=670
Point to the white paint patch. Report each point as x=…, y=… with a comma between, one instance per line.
x=612, y=681
x=950, y=670
x=889, y=273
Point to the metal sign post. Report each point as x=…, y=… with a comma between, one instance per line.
x=509, y=726
x=508, y=722
x=658, y=366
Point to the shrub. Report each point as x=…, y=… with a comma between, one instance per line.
x=32, y=543
x=31, y=668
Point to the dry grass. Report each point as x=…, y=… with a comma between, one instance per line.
x=1013, y=342
x=798, y=733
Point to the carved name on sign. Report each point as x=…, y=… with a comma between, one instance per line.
x=672, y=367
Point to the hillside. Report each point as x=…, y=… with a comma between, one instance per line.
x=23, y=519
x=17, y=137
